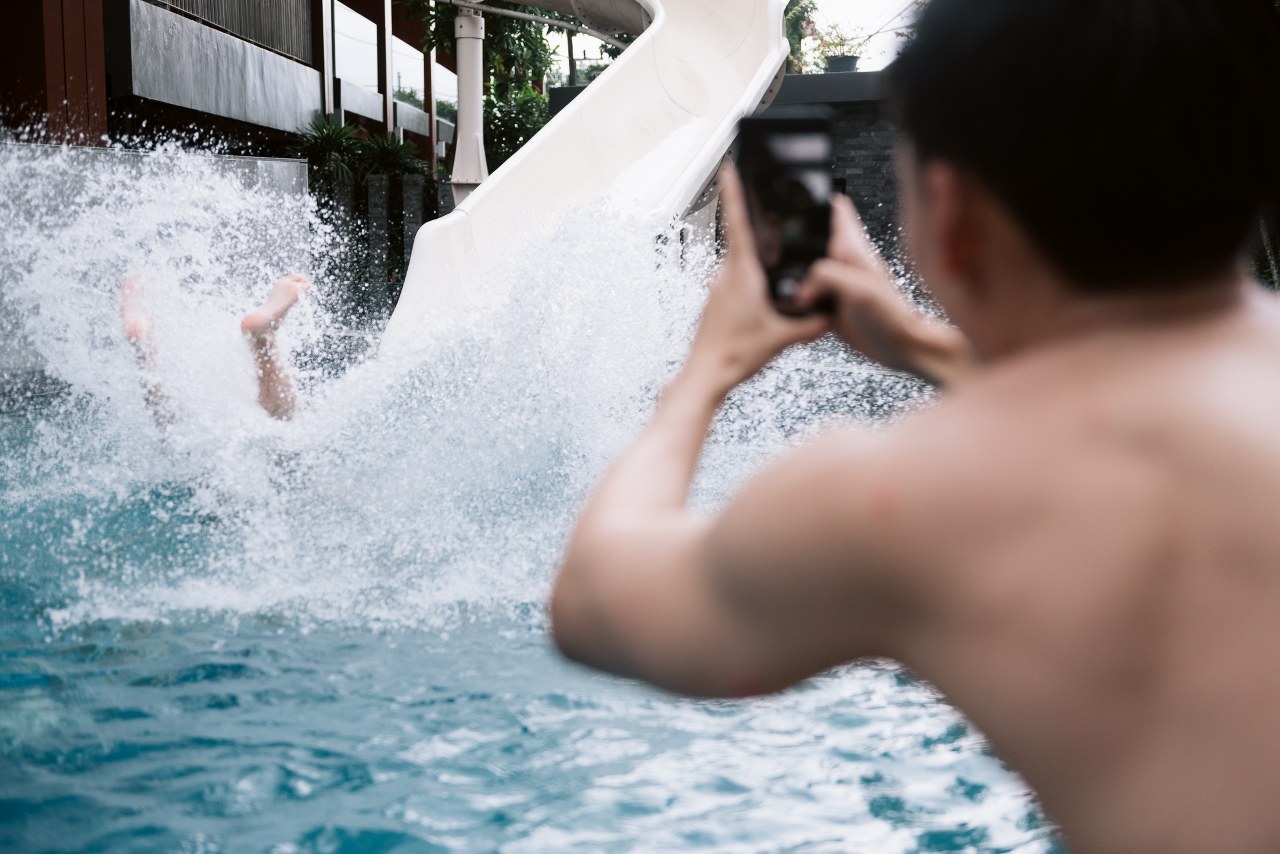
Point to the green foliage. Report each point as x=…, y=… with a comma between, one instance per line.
x=412, y=97
x=615, y=52
x=330, y=150
x=799, y=21
x=591, y=72
x=381, y=155
x=447, y=110
x=335, y=155
x=516, y=53
x=510, y=123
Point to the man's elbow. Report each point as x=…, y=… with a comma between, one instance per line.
x=568, y=618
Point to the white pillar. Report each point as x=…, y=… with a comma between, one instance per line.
x=469, y=166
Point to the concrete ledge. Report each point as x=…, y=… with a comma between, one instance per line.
x=445, y=130
x=358, y=100
x=412, y=119
x=178, y=61
x=839, y=88
x=833, y=88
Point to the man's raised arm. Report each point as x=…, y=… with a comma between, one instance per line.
x=780, y=586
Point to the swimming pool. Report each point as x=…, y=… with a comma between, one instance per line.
x=330, y=636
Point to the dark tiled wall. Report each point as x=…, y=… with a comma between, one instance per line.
x=864, y=140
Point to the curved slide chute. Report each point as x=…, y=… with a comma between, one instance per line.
x=649, y=133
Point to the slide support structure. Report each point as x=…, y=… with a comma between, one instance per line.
x=469, y=165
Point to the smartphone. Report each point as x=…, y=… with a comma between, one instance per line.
x=785, y=160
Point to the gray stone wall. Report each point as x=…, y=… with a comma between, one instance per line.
x=864, y=142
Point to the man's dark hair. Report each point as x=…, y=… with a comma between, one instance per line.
x=1137, y=141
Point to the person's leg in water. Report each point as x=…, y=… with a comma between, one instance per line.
x=275, y=387
x=137, y=328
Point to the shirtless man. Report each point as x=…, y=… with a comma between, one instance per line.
x=276, y=394
x=1078, y=543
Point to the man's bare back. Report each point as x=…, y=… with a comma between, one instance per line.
x=1106, y=601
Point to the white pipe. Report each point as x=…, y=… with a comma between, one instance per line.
x=469, y=165
x=611, y=16
x=546, y=22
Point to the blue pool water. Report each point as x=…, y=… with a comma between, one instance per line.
x=236, y=635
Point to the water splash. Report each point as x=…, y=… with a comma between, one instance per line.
x=405, y=489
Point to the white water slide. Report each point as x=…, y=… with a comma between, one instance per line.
x=649, y=133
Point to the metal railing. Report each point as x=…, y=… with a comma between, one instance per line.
x=283, y=26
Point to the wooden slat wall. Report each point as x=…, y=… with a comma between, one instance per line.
x=281, y=25
x=74, y=79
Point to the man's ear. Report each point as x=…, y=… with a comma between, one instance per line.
x=955, y=222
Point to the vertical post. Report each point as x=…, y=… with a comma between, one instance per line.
x=322, y=52
x=75, y=73
x=55, y=70
x=573, y=62
x=386, y=71
x=469, y=165
x=95, y=46
x=429, y=101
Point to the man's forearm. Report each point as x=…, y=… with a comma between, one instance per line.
x=634, y=524
x=654, y=474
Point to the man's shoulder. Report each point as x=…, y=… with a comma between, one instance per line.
x=958, y=477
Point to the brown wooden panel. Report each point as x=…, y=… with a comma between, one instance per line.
x=55, y=74
x=76, y=68
x=95, y=54
x=22, y=72
x=371, y=9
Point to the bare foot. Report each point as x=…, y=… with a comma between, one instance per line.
x=263, y=320
x=137, y=322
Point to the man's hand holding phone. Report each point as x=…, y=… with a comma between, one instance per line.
x=741, y=330
x=870, y=314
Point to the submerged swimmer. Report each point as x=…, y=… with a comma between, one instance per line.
x=276, y=394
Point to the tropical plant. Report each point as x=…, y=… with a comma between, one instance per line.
x=335, y=155
x=386, y=156
x=510, y=123
x=330, y=150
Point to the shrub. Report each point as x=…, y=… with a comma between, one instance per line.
x=511, y=123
